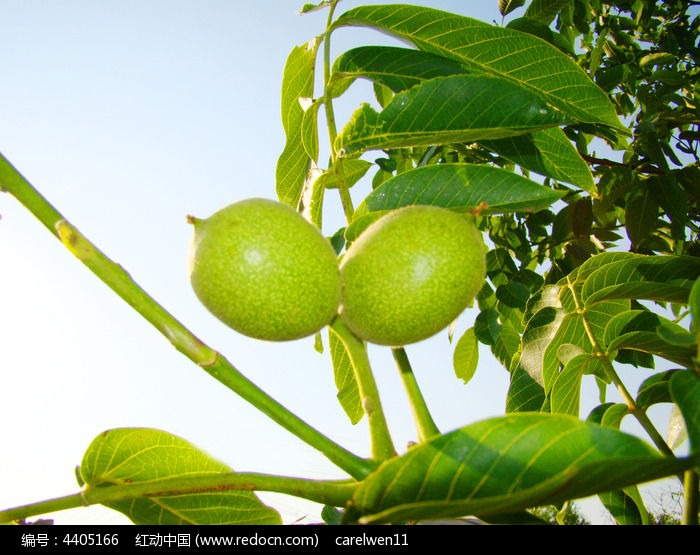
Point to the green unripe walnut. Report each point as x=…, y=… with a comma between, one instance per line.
x=410, y=274
x=264, y=270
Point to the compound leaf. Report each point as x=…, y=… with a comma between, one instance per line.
x=521, y=58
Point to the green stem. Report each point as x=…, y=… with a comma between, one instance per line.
x=691, y=492
x=336, y=162
x=632, y=406
x=425, y=425
x=327, y=492
x=382, y=445
x=115, y=277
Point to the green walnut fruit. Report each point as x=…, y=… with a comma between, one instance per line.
x=264, y=270
x=410, y=274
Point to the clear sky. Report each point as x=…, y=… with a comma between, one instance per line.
x=128, y=115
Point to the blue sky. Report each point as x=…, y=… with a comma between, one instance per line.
x=127, y=116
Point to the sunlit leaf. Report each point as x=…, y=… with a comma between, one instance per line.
x=478, y=46
x=135, y=455
x=655, y=389
x=309, y=129
x=609, y=415
x=460, y=186
x=466, y=356
x=505, y=464
x=348, y=391
x=507, y=6
x=297, y=83
x=353, y=171
x=444, y=110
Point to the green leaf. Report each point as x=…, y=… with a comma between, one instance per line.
x=460, y=186
x=655, y=278
x=553, y=320
x=694, y=304
x=507, y=6
x=513, y=294
x=129, y=455
x=641, y=213
x=297, y=83
x=466, y=356
x=524, y=393
x=622, y=507
x=445, y=110
x=396, y=68
x=480, y=47
x=566, y=389
x=548, y=152
x=487, y=327
x=545, y=10
x=685, y=392
x=655, y=389
x=506, y=464
x=309, y=129
x=353, y=171
x=348, y=390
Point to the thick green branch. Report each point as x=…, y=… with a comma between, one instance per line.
x=114, y=276
x=329, y=492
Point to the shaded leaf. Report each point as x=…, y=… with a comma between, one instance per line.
x=487, y=326
x=466, y=356
x=623, y=508
x=548, y=152
x=641, y=212
x=524, y=393
x=297, y=83
x=545, y=10
x=513, y=294
x=507, y=345
x=129, y=455
x=521, y=58
x=509, y=463
x=444, y=110
x=694, y=305
x=462, y=186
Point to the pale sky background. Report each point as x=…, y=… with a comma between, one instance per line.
x=128, y=115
